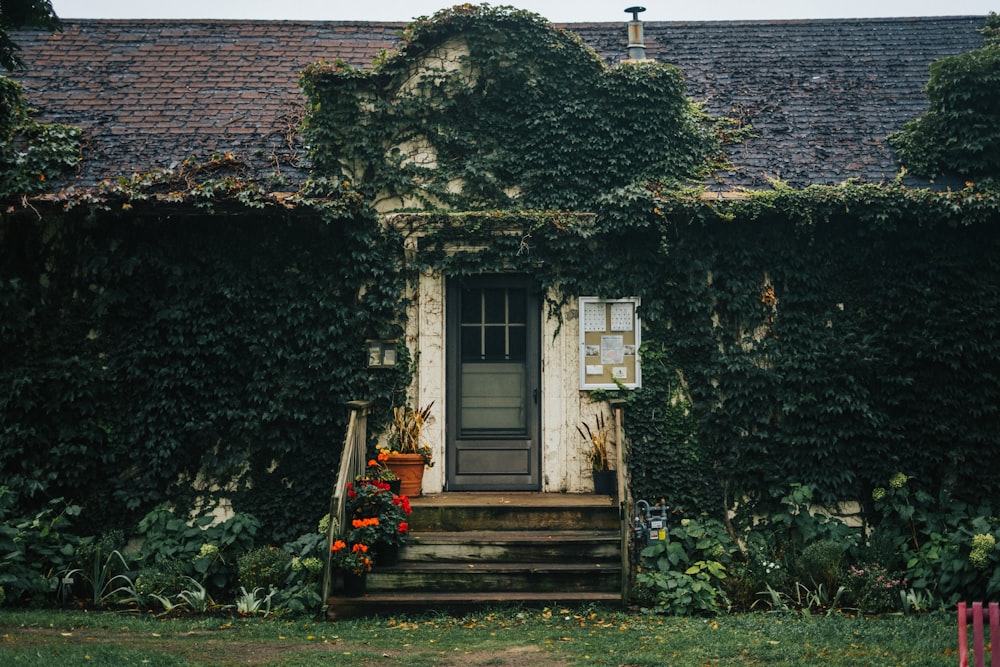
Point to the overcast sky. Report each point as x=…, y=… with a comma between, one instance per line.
x=555, y=10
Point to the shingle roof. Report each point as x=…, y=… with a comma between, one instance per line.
x=822, y=95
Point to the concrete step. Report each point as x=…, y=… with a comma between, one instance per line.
x=526, y=546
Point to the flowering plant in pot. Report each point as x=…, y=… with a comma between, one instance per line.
x=379, y=470
x=376, y=515
x=353, y=559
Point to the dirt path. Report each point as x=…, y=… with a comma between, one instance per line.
x=206, y=648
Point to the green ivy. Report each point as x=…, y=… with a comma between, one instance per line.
x=31, y=153
x=528, y=118
x=156, y=355
x=179, y=327
x=960, y=133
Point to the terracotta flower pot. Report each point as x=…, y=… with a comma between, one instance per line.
x=410, y=470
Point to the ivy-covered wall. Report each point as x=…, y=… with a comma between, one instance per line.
x=186, y=358
x=492, y=108
x=830, y=336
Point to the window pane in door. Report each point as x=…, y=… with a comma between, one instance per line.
x=472, y=346
x=472, y=309
x=495, y=306
x=516, y=343
x=496, y=343
x=517, y=306
x=493, y=397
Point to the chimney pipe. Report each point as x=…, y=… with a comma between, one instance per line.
x=636, y=43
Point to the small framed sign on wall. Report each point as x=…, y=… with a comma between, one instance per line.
x=610, y=336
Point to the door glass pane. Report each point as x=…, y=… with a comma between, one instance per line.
x=516, y=343
x=472, y=343
x=472, y=306
x=496, y=343
x=517, y=308
x=493, y=397
x=495, y=306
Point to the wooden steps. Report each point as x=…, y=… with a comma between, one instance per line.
x=474, y=549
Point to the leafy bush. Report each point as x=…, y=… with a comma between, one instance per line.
x=203, y=548
x=872, y=588
x=164, y=580
x=820, y=562
x=264, y=568
x=686, y=574
x=958, y=134
x=947, y=546
x=34, y=549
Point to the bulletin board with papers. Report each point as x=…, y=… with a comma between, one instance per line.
x=610, y=333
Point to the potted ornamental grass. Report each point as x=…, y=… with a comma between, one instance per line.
x=605, y=479
x=407, y=451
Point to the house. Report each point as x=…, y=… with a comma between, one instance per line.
x=820, y=96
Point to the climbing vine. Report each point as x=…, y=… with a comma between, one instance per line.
x=487, y=108
x=31, y=153
x=185, y=335
x=960, y=133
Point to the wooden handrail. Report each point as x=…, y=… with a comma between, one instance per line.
x=353, y=462
x=618, y=409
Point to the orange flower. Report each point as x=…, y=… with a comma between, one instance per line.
x=383, y=456
x=338, y=545
x=372, y=463
x=359, y=548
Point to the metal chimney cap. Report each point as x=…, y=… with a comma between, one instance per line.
x=635, y=11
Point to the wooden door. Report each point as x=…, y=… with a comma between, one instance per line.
x=493, y=357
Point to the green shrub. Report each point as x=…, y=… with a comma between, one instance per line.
x=264, y=567
x=820, y=563
x=203, y=548
x=947, y=546
x=686, y=575
x=35, y=548
x=165, y=580
x=872, y=588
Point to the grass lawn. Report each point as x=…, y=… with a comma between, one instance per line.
x=498, y=638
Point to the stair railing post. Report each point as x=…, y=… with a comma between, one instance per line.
x=618, y=409
x=352, y=465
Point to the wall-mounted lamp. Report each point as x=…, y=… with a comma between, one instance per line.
x=381, y=353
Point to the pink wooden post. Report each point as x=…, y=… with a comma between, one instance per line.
x=963, y=639
x=975, y=616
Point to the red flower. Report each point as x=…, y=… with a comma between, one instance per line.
x=403, y=527
x=404, y=502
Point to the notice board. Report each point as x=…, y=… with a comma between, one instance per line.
x=610, y=333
